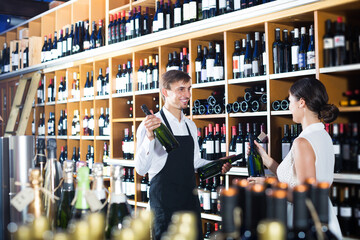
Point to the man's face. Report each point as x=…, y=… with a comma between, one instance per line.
x=179, y=95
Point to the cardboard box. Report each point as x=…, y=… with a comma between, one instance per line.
x=24, y=34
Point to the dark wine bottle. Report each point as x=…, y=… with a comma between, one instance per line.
x=337, y=149
x=328, y=43
x=232, y=145
x=236, y=60
x=285, y=142
x=254, y=161
x=310, y=54
x=278, y=53
x=214, y=168
x=339, y=43
x=207, y=197
x=210, y=144
x=248, y=58
x=345, y=214
x=214, y=196
x=295, y=51
x=286, y=67
x=67, y=195
x=118, y=206
x=163, y=134
x=198, y=61
x=256, y=63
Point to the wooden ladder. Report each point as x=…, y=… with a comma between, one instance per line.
x=26, y=106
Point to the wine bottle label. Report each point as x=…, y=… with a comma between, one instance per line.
x=128, y=29
x=85, y=123
x=294, y=55
x=219, y=72
x=91, y=124
x=237, y=5
x=193, y=10
x=336, y=148
x=92, y=200
x=77, y=127
x=328, y=43
x=222, y=4
x=23, y=199
x=242, y=63
x=201, y=198
x=358, y=161
x=217, y=146
x=124, y=187
x=155, y=26
x=50, y=94
x=339, y=41
x=155, y=75
x=64, y=46
x=336, y=210
x=310, y=57
x=186, y=12
x=101, y=122
x=345, y=212
x=223, y=147
x=357, y=212
x=69, y=43
x=214, y=195
x=205, y=5
x=118, y=83
x=264, y=57
x=137, y=25
x=346, y=151
x=302, y=60
x=132, y=26
x=207, y=200
x=143, y=187
x=25, y=58
x=203, y=75
x=168, y=23
x=209, y=147
x=236, y=64
x=255, y=67
x=16, y=59
x=285, y=148
x=98, y=85
x=197, y=66
x=132, y=188
x=160, y=21
x=247, y=70
x=149, y=77
x=42, y=58
x=247, y=146
x=123, y=84
x=177, y=15
x=148, y=191
x=239, y=148
x=128, y=189
x=210, y=67
x=6, y=68
x=212, y=4
x=59, y=49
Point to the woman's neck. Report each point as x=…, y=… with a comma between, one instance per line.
x=309, y=118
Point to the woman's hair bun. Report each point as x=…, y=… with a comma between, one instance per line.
x=328, y=113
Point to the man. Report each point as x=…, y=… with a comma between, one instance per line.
x=171, y=174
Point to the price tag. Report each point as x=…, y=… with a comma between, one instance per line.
x=23, y=199
x=262, y=136
x=93, y=201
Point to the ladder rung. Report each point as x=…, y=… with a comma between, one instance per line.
x=13, y=132
x=20, y=106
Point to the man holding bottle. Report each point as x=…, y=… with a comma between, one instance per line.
x=171, y=174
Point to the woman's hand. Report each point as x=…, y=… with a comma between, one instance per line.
x=254, y=180
x=225, y=168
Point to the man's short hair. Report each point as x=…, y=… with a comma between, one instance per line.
x=173, y=76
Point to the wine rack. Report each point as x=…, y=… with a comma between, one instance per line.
x=224, y=29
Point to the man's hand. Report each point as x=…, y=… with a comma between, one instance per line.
x=225, y=168
x=151, y=122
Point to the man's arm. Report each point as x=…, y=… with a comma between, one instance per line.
x=144, y=150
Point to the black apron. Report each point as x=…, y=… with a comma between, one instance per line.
x=172, y=189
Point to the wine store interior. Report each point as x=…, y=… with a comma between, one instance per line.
x=180, y=119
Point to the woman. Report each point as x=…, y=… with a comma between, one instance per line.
x=312, y=153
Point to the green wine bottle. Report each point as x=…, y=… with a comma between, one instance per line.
x=67, y=195
x=214, y=168
x=118, y=208
x=254, y=161
x=81, y=207
x=163, y=134
x=98, y=185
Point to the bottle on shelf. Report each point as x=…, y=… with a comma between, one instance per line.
x=85, y=124
x=248, y=58
x=278, y=53
x=91, y=123
x=101, y=122
x=340, y=43
x=207, y=197
x=51, y=91
x=51, y=125
x=285, y=142
x=295, y=48
x=254, y=161
x=67, y=195
x=99, y=83
x=310, y=54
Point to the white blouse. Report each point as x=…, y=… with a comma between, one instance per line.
x=322, y=145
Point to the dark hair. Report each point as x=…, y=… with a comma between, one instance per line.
x=173, y=76
x=316, y=98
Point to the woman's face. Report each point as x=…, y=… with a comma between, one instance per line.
x=296, y=108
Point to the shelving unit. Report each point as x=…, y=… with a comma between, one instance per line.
x=224, y=28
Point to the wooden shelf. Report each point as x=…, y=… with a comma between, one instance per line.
x=212, y=217
x=139, y=119
x=144, y=3
x=50, y=137
x=74, y=137
x=144, y=92
x=122, y=162
x=50, y=104
x=208, y=84
x=74, y=100
x=103, y=138
x=247, y=80
x=84, y=99
x=341, y=69
x=106, y=97
x=87, y=137
x=280, y=113
x=40, y=105
x=349, y=109
x=352, y=178
x=40, y=137
x=142, y=204
x=249, y=114
x=122, y=120
x=209, y=116
x=119, y=95
x=61, y=102
x=293, y=74
x=131, y=202
x=62, y=137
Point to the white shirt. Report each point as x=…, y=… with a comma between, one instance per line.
x=151, y=157
x=322, y=145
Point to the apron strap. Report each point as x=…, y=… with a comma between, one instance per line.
x=168, y=125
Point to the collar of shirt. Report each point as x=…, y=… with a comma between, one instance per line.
x=178, y=128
